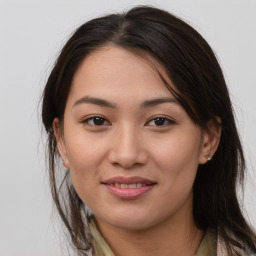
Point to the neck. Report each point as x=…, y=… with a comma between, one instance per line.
x=171, y=237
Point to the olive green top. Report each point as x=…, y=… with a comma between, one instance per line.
x=100, y=246
x=207, y=246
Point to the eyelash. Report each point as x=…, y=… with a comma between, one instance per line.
x=164, y=121
x=94, y=118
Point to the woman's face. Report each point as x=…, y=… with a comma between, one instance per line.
x=132, y=150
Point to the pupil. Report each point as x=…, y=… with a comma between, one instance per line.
x=98, y=121
x=159, y=121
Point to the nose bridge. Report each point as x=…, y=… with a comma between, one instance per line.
x=128, y=139
x=127, y=148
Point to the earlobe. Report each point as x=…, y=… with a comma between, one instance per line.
x=210, y=140
x=59, y=138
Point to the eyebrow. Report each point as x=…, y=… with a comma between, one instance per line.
x=95, y=101
x=157, y=101
x=105, y=103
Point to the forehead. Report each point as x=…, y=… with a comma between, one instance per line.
x=114, y=70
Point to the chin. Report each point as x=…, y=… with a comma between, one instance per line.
x=130, y=224
x=129, y=220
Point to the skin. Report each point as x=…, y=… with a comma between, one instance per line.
x=128, y=141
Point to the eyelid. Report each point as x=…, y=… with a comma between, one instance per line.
x=169, y=119
x=90, y=117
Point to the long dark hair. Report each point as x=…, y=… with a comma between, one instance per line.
x=192, y=66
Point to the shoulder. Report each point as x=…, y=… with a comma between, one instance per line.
x=222, y=250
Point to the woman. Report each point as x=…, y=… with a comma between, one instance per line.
x=137, y=108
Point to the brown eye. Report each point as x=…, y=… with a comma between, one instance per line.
x=160, y=121
x=96, y=121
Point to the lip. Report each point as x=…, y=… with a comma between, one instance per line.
x=128, y=193
x=128, y=180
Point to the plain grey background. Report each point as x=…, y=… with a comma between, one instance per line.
x=32, y=33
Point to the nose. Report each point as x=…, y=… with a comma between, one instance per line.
x=127, y=149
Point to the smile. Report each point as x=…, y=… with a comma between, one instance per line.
x=128, y=188
x=138, y=185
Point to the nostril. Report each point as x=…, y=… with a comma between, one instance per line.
x=127, y=153
x=126, y=165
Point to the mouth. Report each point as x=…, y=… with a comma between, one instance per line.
x=134, y=185
x=128, y=188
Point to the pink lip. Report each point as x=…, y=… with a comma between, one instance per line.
x=128, y=193
x=128, y=180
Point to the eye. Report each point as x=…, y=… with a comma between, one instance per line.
x=160, y=121
x=96, y=121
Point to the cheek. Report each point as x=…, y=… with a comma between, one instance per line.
x=82, y=149
x=84, y=158
x=178, y=158
x=179, y=150
x=84, y=161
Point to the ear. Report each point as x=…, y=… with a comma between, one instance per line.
x=59, y=139
x=210, y=140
